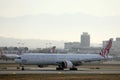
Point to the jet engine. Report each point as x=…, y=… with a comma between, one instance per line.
x=67, y=64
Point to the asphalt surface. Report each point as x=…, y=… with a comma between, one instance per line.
x=66, y=71
x=107, y=68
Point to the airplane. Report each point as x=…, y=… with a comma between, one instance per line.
x=8, y=56
x=62, y=60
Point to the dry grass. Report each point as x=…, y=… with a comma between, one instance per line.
x=60, y=77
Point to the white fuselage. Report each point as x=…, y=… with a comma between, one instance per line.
x=53, y=59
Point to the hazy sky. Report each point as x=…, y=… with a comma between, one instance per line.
x=60, y=19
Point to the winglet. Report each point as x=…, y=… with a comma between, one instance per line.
x=104, y=52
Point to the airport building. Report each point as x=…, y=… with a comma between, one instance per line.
x=83, y=47
x=85, y=42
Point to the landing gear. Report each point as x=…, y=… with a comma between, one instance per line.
x=59, y=68
x=22, y=68
x=73, y=68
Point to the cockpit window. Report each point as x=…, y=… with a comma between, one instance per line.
x=18, y=57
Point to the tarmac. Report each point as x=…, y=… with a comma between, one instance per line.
x=107, y=68
x=66, y=71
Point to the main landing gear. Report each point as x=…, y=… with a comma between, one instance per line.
x=22, y=68
x=73, y=68
x=61, y=68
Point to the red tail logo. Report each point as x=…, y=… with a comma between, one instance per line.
x=104, y=52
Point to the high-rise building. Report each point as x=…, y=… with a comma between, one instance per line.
x=85, y=40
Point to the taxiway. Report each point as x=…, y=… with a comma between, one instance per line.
x=66, y=71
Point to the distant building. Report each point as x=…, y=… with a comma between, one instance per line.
x=85, y=40
x=90, y=50
x=72, y=45
x=77, y=46
x=14, y=50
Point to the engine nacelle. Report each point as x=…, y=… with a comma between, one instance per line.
x=67, y=64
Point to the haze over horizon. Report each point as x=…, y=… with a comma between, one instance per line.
x=60, y=20
x=35, y=43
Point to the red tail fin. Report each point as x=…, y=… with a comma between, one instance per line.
x=104, y=52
